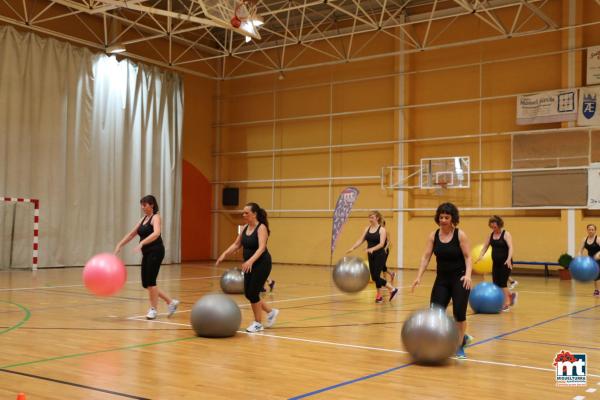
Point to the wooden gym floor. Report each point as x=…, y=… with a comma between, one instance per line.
x=59, y=342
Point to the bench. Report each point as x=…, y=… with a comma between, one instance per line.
x=544, y=263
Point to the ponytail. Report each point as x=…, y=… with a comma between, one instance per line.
x=151, y=201
x=379, y=217
x=261, y=215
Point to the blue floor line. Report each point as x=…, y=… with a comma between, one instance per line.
x=302, y=396
x=387, y=371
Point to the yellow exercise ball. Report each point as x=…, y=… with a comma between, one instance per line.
x=484, y=266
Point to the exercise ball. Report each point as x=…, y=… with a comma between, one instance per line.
x=104, y=274
x=215, y=315
x=232, y=281
x=486, y=298
x=484, y=266
x=430, y=336
x=583, y=269
x=351, y=275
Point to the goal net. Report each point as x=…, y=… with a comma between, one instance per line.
x=19, y=218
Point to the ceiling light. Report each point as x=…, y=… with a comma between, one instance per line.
x=116, y=48
x=257, y=20
x=247, y=27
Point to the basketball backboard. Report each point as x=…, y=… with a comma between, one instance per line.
x=445, y=172
x=238, y=15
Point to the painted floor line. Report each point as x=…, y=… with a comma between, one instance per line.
x=370, y=348
x=272, y=302
x=80, y=285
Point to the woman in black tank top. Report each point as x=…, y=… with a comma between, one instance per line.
x=502, y=252
x=453, y=280
x=257, y=263
x=376, y=237
x=591, y=245
x=153, y=252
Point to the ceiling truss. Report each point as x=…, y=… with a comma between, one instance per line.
x=180, y=34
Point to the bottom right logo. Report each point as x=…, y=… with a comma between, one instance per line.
x=571, y=368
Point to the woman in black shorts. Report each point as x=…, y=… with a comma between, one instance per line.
x=453, y=280
x=257, y=263
x=502, y=252
x=153, y=252
x=591, y=245
x=376, y=237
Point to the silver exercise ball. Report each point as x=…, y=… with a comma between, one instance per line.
x=351, y=274
x=430, y=336
x=232, y=281
x=216, y=315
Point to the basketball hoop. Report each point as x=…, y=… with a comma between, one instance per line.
x=244, y=10
x=442, y=185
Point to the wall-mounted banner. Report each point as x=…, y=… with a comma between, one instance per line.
x=593, y=65
x=546, y=107
x=588, y=106
x=594, y=186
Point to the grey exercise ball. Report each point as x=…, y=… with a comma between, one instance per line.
x=351, y=274
x=216, y=315
x=232, y=281
x=430, y=336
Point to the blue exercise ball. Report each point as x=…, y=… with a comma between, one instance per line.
x=486, y=298
x=584, y=269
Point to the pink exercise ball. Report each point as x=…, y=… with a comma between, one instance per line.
x=104, y=274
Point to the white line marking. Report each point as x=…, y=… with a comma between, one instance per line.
x=39, y=287
x=158, y=322
x=354, y=346
x=535, y=291
x=70, y=286
x=247, y=305
x=591, y=390
x=290, y=338
x=276, y=301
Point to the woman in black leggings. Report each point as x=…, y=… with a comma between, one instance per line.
x=453, y=281
x=502, y=252
x=153, y=252
x=257, y=263
x=591, y=244
x=376, y=237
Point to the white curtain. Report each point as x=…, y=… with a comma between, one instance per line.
x=88, y=136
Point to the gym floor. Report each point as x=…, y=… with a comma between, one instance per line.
x=60, y=342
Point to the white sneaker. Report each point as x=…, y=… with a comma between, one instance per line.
x=255, y=327
x=513, y=298
x=172, y=307
x=513, y=285
x=272, y=317
x=151, y=313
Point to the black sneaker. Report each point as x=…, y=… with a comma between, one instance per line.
x=393, y=293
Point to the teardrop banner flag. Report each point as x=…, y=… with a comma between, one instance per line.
x=342, y=211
